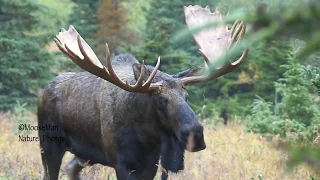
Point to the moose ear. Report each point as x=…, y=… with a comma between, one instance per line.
x=189, y=72
x=137, y=71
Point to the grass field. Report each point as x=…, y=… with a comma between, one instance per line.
x=231, y=154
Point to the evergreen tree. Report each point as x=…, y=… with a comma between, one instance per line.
x=160, y=27
x=297, y=103
x=263, y=68
x=113, y=27
x=24, y=62
x=85, y=19
x=136, y=14
x=311, y=75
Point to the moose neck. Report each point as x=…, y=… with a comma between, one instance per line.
x=144, y=117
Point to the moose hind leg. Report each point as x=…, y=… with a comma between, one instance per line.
x=51, y=159
x=52, y=152
x=74, y=167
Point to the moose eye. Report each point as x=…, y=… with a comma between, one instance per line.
x=163, y=102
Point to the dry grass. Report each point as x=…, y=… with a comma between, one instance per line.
x=230, y=154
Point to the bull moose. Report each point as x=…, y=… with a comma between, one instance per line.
x=128, y=115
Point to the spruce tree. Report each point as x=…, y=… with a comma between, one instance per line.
x=113, y=27
x=24, y=61
x=84, y=18
x=297, y=103
x=160, y=27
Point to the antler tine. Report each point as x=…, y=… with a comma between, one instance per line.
x=62, y=49
x=243, y=30
x=74, y=57
x=111, y=74
x=141, y=76
x=107, y=53
x=82, y=55
x=152, y=75
x=239, y=31
x=234, y=26
x=240, y=37
x=205, y=58
x=242, y=58
x=88, y=63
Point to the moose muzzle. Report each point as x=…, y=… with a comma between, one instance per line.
x=190, y=129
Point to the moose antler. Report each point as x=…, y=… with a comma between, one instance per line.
x=73, y=45
x=213, y=42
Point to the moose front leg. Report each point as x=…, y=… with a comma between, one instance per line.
x=125, y=173
x=145, y=167
x=126, y=166
x=74, y=167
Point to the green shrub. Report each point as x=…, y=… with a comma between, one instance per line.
x=263, y=121
x=298, y=111
x=19, y=116
x=297, y=103
x=210, y=111
x=311, y=74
